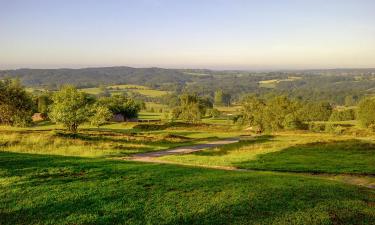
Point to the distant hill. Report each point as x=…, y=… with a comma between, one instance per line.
x=332, y=85
x=91, y=77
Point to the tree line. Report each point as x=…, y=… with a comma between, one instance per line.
x=72, y=107
x=68, y=106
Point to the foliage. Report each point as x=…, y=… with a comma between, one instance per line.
x=221, y=98
x=16, y=106
x=120, y=104
x=343, y=115
x=315, y=111
x=273, y=114
x=366, y=113
x=213, y=113
x=70, y=107
x=191, y=108
x=101, y=115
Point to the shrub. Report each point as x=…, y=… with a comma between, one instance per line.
x=366, y=113
x=342, y=115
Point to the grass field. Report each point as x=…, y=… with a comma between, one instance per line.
x=40, y=189
x=48, y=176
x=126, y=88
x=116, y=139
x=297, y=152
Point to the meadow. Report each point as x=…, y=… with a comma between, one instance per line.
x=44, y=189
x=50, y=176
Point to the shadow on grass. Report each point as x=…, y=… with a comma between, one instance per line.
x=349, y=156
x=72, y=190
x=226, y=149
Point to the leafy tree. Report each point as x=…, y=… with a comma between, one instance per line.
x=316, y=111
x=191, y=108
x=218, y=98
x=101, y=115
x=274, y=114
x=351, y=100
x=43, y=101
x=366, y=112
x=70, y=108
x=342, y=115
x=277, y=110
x=120, y=104
x=221, y=98
x=252, y=111
x=213, y=113
x=16, y=106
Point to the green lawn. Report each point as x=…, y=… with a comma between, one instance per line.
x=41, y=189
x=297, y=152
x=349, y=156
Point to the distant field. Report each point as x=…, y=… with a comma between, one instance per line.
x=123, y=88
x=274, y=82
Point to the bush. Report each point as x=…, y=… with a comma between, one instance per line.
x=366, y=112
x=317, y=127
x=342, y=115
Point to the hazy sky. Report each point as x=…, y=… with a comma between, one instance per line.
x=219, y=34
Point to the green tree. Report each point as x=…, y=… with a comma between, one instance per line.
x=218, y=98
x=252, y=111
x=16, y=106
x=274, y=114
x=366, y=113
x=43, y=101
x=350, y=100
x=342, y=115
x=221, y=98
x=101, y=115
x=123, y=105
x=191, y=108
x=316, y=111
x=70, y=107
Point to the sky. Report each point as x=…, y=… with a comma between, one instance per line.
x=214, y=34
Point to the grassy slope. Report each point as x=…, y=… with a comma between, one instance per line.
x=117, y=139
x=350, y=156
x=290, y=152
x=40, y=189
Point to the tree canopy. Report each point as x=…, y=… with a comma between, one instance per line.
x=70, y=107
x=16, y=105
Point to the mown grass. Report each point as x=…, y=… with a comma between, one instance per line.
x=298, y=152
x=349, y=156
x=41, y=189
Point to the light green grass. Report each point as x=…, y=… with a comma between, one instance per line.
x=38, y=189
x=104, y=142
x=126, y=88
x=290, y=152
x=150, y=116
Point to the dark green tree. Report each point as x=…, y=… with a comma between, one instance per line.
x=16, y=105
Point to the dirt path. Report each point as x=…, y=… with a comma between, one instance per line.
x=153, y=157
